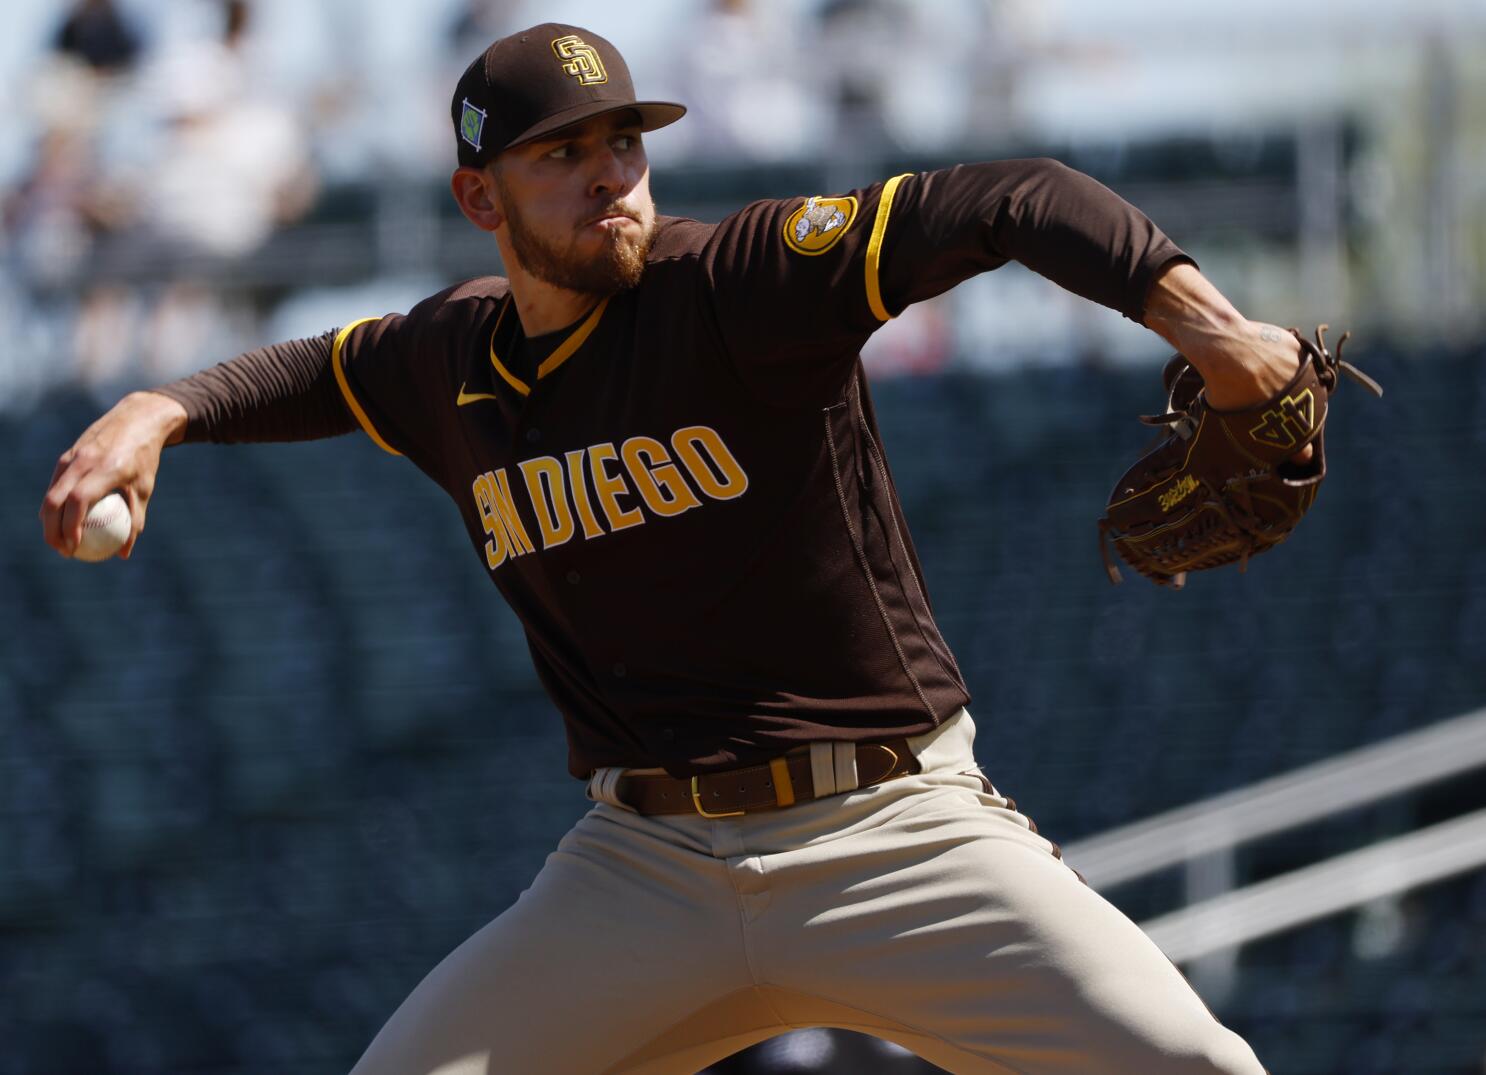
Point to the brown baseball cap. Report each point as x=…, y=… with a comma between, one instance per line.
x=541, y=80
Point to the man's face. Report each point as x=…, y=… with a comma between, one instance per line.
x=577, y=205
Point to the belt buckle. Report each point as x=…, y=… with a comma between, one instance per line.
x=696, y=799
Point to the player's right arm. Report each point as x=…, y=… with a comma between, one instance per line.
x=283, y=392
x=380, y=374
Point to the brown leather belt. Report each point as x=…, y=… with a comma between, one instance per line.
x=783, y=781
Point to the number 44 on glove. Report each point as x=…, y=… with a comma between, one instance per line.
x=1220, y=486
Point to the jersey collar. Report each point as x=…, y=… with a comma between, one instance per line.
x=564, y=350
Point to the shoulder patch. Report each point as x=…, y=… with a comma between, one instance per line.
x=818, y=225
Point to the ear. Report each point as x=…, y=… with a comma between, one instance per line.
x=478, y=200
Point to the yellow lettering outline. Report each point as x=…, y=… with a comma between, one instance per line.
x=657, y=474
x=735, y=479
x=609, y=487
x=483, y=488
x=591, y=527
x=582, y=60
x=506, y=504
x=549, y=499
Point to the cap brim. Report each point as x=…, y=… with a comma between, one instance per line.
x=653, y=115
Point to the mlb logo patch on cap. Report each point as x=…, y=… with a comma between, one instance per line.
x=471, y=124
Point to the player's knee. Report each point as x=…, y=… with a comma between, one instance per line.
x=1192, y=1044
x=1221, y=1052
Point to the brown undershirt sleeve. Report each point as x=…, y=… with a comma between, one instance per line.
x=286, y=391
x=1056, y=221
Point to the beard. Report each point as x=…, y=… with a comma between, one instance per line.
x=617, y=267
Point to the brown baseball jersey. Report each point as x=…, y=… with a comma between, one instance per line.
x=683, y=495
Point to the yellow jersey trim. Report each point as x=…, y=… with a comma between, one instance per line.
x=874, y=246
x=510, y=378
x=336, y=363
x=556, y=358
x=573, y=342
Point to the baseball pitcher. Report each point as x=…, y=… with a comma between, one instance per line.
x=660, y=440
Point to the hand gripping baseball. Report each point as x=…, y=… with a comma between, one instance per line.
x=1222, y=485
x=121, y=450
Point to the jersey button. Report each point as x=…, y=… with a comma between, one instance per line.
x=574, y=578
x=533, y=435
x=620, y=671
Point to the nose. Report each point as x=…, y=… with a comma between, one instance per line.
x=608, y=176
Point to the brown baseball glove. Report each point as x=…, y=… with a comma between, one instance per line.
x=1221, y=486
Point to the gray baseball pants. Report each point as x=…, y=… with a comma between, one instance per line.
x=924, y=911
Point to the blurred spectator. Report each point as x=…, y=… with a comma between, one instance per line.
x=105, y=335
x=230, y=172
x=123, y=335
x=857, y=46
x=61, y=195
x=51, y=215
x=740, y=78
x=237, y=14
x=928, y=75
x=234, y=165
x=96, y=33
x=189, y=326
x=1007, y=46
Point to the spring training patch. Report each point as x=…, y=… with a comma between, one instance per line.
x=472, y=125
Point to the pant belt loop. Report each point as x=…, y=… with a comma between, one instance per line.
x=602, y=787
x=845, y=758
x=823, y=769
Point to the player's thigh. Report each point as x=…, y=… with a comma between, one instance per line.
x=619, y=937
x=958, y=924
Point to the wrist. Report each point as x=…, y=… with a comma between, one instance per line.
x=166, y=414
x=1189, y=313
x=1249, y=366
x=1242, y=362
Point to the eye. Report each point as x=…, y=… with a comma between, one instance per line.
x=626, y=141
x=561, y=152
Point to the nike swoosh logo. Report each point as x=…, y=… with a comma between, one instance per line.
x=470, y=397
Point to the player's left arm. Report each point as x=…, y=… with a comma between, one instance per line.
x=1242, y=362
x=1078, y=233
x=798, y=285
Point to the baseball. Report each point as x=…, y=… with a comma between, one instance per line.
x=105, y=529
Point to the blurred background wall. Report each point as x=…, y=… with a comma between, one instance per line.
x=246, y=779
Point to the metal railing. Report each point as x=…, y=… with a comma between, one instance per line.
x=1198, y=835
